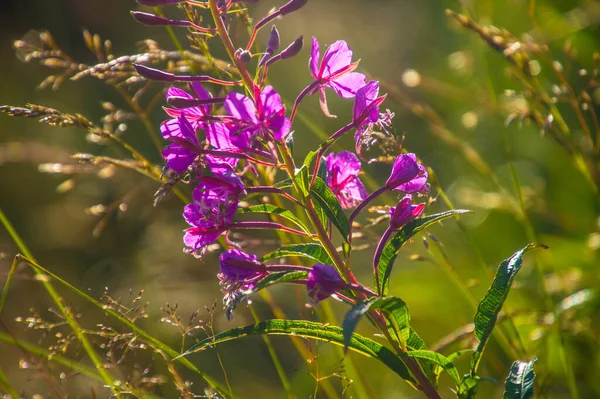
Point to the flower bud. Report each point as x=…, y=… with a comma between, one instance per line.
x=405, y=169
x=243, y=55
x=293, y=49
x=154, y=3
x=292, y=6
x=153, y=74
x=154, y=20
x=273, y=43
x=405, y=212
x=148, y=19
x=323, y=281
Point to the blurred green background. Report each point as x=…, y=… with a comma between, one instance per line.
x=426, y=59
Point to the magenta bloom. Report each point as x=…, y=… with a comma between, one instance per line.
x=404, y=212
x=215, y=202
x=239, y=273
x=342, y=178
x=323, y=281
x=335, y=71
x=194, y=114
x=184, y=147
x=265, y=118
x=408, y=175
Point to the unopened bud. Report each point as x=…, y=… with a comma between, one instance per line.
x=153, y=74
x=148, y=19
x=243, y=55
x=154, y=3
x=273, y=43
x=292, y=6
x=293, y=48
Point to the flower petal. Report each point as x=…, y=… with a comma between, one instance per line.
x=364, y=97
x=347, y=85
x=313, y=62
x=336, y=57
x=178, y=158
x=240, y=107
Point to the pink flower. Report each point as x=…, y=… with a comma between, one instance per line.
x=250, y=120
x=334, y=71
x=215, y=202
x=342, y=178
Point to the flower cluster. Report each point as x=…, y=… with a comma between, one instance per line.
x=222, y=144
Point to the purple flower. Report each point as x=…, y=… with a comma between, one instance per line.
x=323, y=281
x=184, y=147
x=196, y=114
x=408, y=175
x=239, y=273
x=342, y=178
x=404, y=212
x=334, y=71
x=365, y=114
x=215, y=202
x=265, y=118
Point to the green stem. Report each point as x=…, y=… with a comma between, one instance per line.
x=64, y=310
x=62, y=360
x=276, y=362
x=229, y=47
x=5, y=384
x=424, y=384
x=350, y=366
x=159, y=346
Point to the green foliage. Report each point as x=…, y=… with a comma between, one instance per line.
x=390, y=251
x=312, y=330
x=491, y=304
x=439, y=359
x=310, y=250
x=327, y=201
x=274, y=210
x=519, y=383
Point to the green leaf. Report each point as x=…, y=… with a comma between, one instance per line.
x=302, y=175
x=271, y=279
x=327, y=200
x=276, y=278
x=390, y=251
x=351, y=320
x=519, y=383
x=322, y=172
x=310, y=250
x=313, y=330
x=491, y=304
x=274, y=210
x=301, y=179
x=438, y=359
x=396, y=313
x=289, y=141
x=285, y=183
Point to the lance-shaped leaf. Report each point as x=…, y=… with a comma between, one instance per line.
x=271, y=279
x=309, y=250
x=328, y=202
x=491, y=304
x=312, y=330
x=438, y=359
x=396, y=313
x=398, y=319
x=390, y=251
x=519, y=383
x=274, y=210
x=276, y=278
